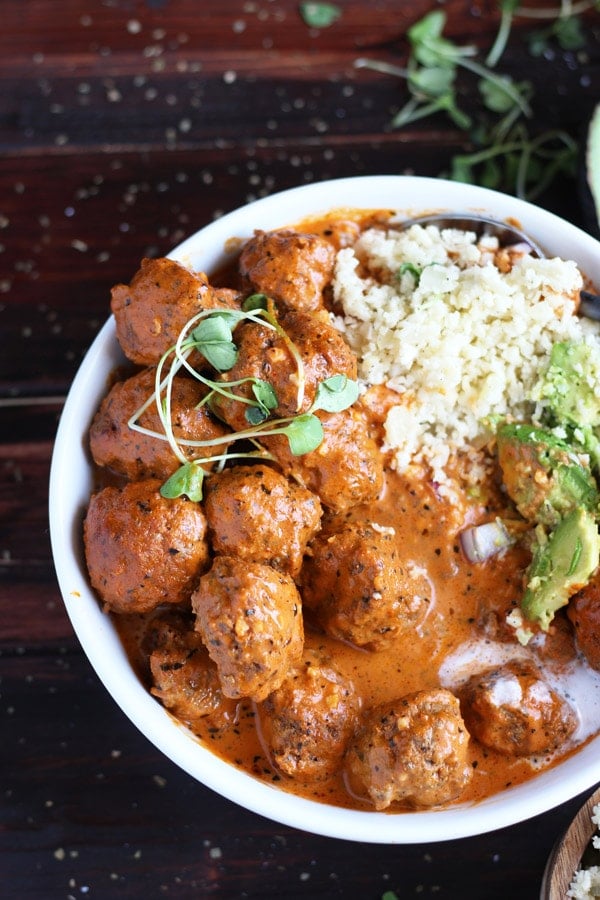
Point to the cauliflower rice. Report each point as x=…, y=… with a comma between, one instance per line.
x=431, y=315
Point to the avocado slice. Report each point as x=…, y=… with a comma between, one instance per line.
x=542, y=474
x=562, y=564
x=570, y=394
x=571, y=385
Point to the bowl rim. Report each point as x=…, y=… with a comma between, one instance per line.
x=70, y=483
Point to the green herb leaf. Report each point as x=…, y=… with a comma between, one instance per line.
x=413, y=270
x=214, y=340
x=256, y=415
x=569, y=33
x=335, y=394
x=432, y=82
x=577, y=551
x=304, y=434
x=319, y=15
x=266, y=400
x=255, y=301
x=265, y=395
x=429, y=47
x=497, y=94
x=538, y=43
x=187, y=480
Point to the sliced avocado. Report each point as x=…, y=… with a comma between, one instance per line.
x=542, y=474
x=571, y=385
x=562, y=564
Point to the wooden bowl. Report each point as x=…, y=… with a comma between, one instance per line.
x=568, y=851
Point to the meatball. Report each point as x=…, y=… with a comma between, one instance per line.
x=412, y=751
x=512, y=709
x=151, y=311
x=292, y=268
x=135, y=455
x=345, y=469
x=360, y=588
x=265, y=354
x=141, y=549
x=584, y=612
x=184, y=677
x=255, y=513
x=309, y=719
x=250, y=618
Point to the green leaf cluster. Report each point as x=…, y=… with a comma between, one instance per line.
x=211, y=334
x=504, y=155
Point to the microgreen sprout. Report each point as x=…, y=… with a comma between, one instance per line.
x=505, y=155
x=211, y=334
x=319, y=15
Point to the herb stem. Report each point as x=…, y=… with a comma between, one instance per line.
x=499, y=45
x=565, y=10
x=501, y=83
x=412, y=112
x=377, y=65
x=555, y=164
x=164, y=409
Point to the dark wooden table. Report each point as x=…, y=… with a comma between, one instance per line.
x=125, y=126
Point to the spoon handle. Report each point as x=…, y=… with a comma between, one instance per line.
x=590, y=305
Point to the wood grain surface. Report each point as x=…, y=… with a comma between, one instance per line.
x=569, y=850
x=125, y=125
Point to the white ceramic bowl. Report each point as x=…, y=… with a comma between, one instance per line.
x=71, y=482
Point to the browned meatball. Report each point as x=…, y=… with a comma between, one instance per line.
x=255, y=513
x=412, y=751
x=185, y=679
x=250, y=618
x=345, y=469
x=141, y=549
x=512, y=709
x=265, y=355
x=584, y=612
x=292, y=268
x=359, y=586
x=135, y=455
x=151, y=311
x=308, y=721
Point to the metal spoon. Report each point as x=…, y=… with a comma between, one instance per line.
x=508, y=235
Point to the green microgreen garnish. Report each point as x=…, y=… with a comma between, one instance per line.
x=211, y=333
x=255, y=301
x=266, y=400
x=335, y=394
x=504, y=154
x=214, y=339
x=304, y=434
x=188, y=480
x=415, y=271
x=319, y=15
